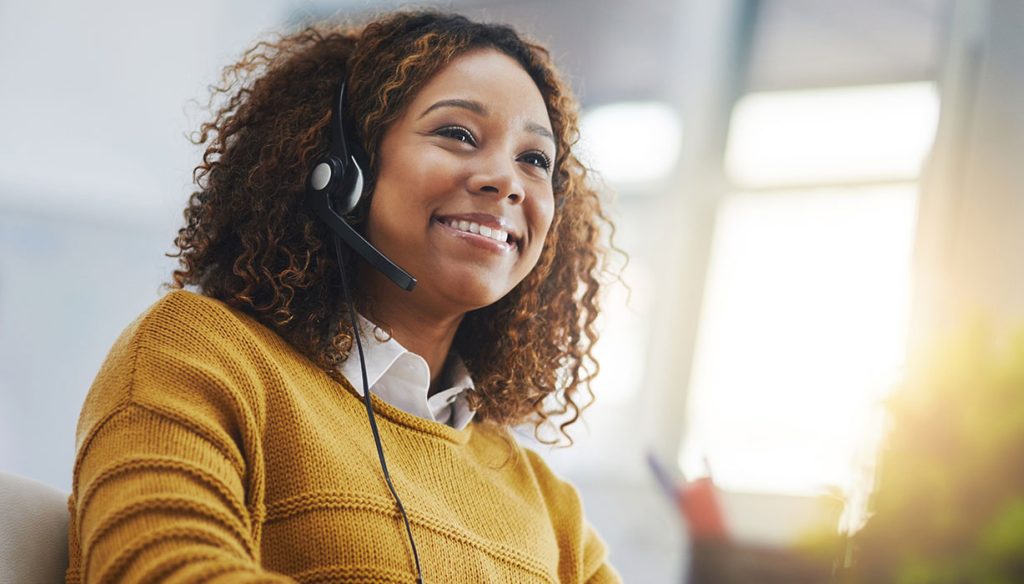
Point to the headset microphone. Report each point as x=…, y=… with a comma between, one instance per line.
x=335, y=187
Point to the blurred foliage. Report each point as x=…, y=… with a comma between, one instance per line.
x=949, y=504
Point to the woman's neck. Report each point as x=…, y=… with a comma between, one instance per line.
x=426, y=333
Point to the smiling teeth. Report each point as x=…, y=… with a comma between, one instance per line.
x=471, y=227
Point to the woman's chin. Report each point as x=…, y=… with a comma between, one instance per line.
x=470, y=294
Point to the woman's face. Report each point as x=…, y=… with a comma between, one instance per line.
x=463, y=199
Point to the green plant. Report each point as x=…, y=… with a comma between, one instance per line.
x=949, y=505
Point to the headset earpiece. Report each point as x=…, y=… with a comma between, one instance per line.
x=342, y=183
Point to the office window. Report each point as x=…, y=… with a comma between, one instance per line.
x=805, y=311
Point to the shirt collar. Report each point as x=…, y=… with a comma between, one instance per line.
x=402, y=378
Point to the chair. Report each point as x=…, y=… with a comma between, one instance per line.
x=33, y=531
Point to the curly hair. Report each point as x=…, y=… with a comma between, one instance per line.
x=249, y=241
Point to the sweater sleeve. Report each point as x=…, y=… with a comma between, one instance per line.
x=583, y=555
x=167, y=474
x=596, y=568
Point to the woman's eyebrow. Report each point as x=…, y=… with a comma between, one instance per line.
x=481, y=110
x=540, y=130
x=473, y=106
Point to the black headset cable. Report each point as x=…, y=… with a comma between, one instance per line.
x=369, y=407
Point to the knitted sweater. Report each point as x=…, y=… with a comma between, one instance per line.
x=209, y=449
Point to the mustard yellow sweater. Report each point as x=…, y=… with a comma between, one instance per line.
x=208, y=449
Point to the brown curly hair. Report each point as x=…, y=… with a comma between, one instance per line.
x=249, y=241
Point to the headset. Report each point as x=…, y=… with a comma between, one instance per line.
x=334, y=189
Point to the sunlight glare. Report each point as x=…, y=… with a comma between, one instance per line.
x=802, y=330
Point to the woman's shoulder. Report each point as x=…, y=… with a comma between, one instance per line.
x=183, y=320
x=183, y=347
x=526, y=459
x=550, y=482
x=185, y=325
x=181, y=313
x=178, y=319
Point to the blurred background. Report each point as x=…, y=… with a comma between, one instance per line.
x=811, y=193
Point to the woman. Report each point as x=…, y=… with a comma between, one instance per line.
x=229, y=434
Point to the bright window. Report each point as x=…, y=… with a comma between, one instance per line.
x=805, y=313
x=843, y=135
x=802, y=330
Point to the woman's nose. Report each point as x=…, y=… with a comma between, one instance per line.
x=497, y=177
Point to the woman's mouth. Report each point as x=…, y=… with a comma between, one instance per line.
x=485, y=236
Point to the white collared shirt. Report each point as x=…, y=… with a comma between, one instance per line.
x=402, y=379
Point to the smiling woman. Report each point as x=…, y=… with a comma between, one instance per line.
x=225, y=436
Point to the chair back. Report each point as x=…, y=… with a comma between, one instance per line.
x=33, y=531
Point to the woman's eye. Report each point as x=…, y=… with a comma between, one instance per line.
x=457, y=133
x=538, y=159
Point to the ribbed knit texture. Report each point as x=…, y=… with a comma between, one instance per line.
x=208, y=449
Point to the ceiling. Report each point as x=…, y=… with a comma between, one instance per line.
x=615, y=51
x=814, y=43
